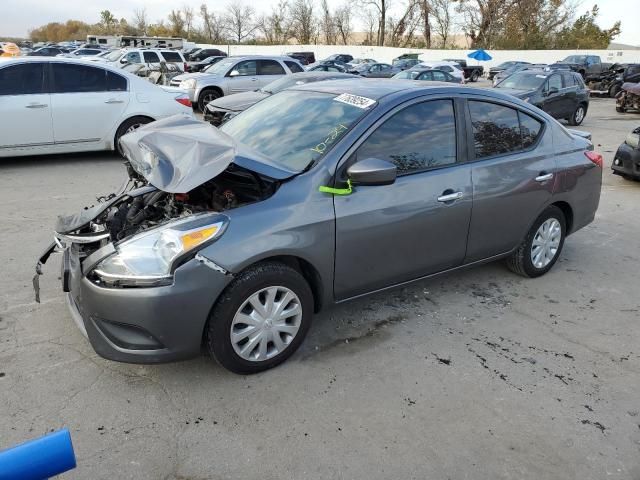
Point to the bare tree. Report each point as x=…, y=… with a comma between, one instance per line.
x=425, y=12
x=370, y=21
x=401, y=31
x=140, y=20
x=240, y=21
x=380, y=8
x=483, y=19
x=276, y=27
x=342, y=19
x=303, y=21
x=327, y=24
x=188, y=15
x=214, y=26
x=441, y=13
x=176, y=23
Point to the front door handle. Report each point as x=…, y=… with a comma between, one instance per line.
x=113, y=100
x=450, y=197
x=543, y=177
x=37, y=105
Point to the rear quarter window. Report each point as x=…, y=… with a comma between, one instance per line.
x=115, y=82
x=294, y=67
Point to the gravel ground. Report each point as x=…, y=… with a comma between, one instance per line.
x=477, y=374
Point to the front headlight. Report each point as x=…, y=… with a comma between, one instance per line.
x=147, y=259
x=188, y=84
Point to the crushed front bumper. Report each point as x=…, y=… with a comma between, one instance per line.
x=143, y=325
x=626, y=161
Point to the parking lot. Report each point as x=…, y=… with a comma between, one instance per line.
x=476, y=374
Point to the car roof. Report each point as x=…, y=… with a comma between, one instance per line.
x=77, y=61
x=264, y=57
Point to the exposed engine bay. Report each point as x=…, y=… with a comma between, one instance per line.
x=142, y=207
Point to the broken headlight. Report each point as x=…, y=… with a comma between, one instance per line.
x=147, y=259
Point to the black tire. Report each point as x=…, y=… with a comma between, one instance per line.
x=620, y=109
x=578, y=115
x=250, y=281
x=206, y=96
x=614, y=90
x=475, y=76
x=133, y=122
x=520, y=260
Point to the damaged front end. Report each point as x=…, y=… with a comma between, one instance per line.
x=183, y=176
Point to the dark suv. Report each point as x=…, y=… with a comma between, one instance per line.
x=562, y=94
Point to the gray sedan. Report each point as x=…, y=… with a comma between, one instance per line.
x=232, y=238
x=426, y=74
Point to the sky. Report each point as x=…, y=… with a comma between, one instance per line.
x=22, y=15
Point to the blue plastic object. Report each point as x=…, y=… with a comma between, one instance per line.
x=480, y=55
x=39, y=459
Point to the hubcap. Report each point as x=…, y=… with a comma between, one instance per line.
x=579, y=114
x=266, y=324
x=545, y=243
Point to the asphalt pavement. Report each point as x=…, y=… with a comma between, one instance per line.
x=479, y=374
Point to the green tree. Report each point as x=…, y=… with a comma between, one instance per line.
x=585, y=33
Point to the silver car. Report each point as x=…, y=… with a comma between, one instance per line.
x=234, y=75
x=232, y=238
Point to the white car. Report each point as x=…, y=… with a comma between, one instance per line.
x=451, y=68
x=60, y=105
x=82, y=52
x=147, y=56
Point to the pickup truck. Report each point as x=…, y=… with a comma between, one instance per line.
x=589, y=66
x=473, y=72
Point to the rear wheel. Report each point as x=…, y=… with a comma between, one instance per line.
x=578, y=115
x=207, y=96
x=474, y=76
x=129, y=126
x=620, y=109
x=541, y=248
x=261, y=319
x=614, y=90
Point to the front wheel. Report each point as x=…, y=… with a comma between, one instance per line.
x=541, y=248
x=578, y=115
x=261, y=318
x=207, y=96
x=475, y=76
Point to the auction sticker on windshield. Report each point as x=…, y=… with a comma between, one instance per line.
x=355, y=100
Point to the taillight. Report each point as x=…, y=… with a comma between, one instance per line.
x=184, y=100
x=595, y=157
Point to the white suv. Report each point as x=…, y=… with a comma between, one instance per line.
x=234, y=75
x=150, y=56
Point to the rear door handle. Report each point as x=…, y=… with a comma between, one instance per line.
x=543, y=177
x=113, y=100
x=450, y=197
x=37, y=105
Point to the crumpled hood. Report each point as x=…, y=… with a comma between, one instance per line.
x=237, y=102
x=179, y=153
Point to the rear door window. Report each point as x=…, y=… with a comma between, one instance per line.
x=498, y=129
x=22, y=79
x=294, y=67
x=72, y=78
x=439, y=76
x=555, y=81
x=417, y=138
x=270, y=67
x=150, y=57
x=172, y=57
x=115, y=82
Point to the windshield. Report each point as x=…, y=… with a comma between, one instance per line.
x=294, y=128
x=282, y=83
x=113, y=56
x=523, y=81
x=504, y=65
x=575, y=59
x=408, y=74
x=221, y=67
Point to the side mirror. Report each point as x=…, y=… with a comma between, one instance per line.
x=234, y=73
x=123, y=61
x=372, y=171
